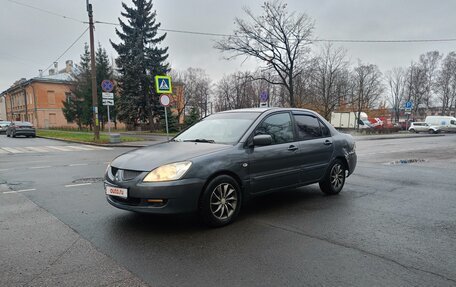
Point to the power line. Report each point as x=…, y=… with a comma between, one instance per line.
x=45, y=11
x=228, y=35
x=72, y=44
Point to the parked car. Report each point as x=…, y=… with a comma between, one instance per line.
x=3, y=126
x=20, y=129
x=416, y=127
x=228, y=158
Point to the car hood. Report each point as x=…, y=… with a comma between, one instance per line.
x=151, y=157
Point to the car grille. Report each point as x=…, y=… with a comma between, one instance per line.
x=124, y=174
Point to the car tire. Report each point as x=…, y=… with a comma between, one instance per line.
x=334, y=179
x=412, y=131
x=221, y=201
x=14, y=134
x=7, y=135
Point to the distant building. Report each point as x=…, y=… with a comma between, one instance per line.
x=40, y=100
x=2, y=108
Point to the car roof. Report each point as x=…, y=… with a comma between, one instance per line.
x=265, y=109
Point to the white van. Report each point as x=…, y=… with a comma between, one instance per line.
x=445, y=123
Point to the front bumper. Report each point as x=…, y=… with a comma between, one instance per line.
x=180, y=196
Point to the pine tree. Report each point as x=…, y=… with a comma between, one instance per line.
x=140, y=60
x=79, y=107
x=193, y=117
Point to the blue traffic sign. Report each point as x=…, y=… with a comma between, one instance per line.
x=408, y=105
x=264, y=97
x=107, y=86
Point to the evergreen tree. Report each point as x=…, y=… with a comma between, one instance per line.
x=79, y=106
x=193, y=117
x=140, y=60
x=173, y=122
x=104, y=72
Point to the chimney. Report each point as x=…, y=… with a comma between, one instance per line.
x=56, y=67
x=40, y=72
x=51, y=72
x=69, y=66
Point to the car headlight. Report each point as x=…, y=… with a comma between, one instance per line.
x=172, y=171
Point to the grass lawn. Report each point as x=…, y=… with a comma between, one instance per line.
x=81, y=136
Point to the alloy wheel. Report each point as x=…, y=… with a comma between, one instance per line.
x=223, y=201
x=337, y=176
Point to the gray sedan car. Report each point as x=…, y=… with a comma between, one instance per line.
x=228, y=158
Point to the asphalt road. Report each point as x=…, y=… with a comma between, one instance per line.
x=392, y=225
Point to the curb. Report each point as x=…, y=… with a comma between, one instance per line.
x=367, y=138
x=96, y=144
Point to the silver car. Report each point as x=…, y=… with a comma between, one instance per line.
x=228, y=158
x=417, y=127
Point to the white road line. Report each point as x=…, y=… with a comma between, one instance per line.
x=59, y=148
x=97, y=147
x=11, y=150
x=78, y=147
x=37, y=149
x=4, y=169
x=16, y=191
x=38, y=167
x=78, y=164
x=79, y=184
x=23, y=149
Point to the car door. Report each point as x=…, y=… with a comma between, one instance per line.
x=315, y=146
x=274, y=166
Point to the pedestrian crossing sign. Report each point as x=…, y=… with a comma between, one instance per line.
x=163, y=85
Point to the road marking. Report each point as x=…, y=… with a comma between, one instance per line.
x=3, y=151
x=4, y=169
x=11, y=150
x=38, y=167
x=60, y=148
x=78, y=164
x=16, y=191
x=79, y=184
x=37, y=149
x=79, y=147
x=97, y=147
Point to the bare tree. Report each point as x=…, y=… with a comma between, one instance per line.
x=368, y=87
x=327, y=78
x=277, y=38
x=396, y=84
x=197, y=88
x=429, y=63
x=446, y=84
x=416, y=85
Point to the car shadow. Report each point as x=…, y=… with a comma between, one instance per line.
x=304, y=198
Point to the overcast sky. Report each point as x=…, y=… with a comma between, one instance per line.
x=31, y=40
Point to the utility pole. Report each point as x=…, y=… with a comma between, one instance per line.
x=93, y=70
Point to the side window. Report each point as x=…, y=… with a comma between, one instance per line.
x=453, y=122
x=324, y=130
x=308, y=127
x=278, y=126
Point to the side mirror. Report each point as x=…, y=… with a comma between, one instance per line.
x=261, y=140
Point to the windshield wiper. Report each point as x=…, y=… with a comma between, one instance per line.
x=200, y=141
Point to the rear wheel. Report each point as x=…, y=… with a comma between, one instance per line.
x=412, y=131
x=221, y=201
x=334, y=179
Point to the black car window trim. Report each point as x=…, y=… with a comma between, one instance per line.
x=249, y=142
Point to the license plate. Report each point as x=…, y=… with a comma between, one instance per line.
x=117, y=191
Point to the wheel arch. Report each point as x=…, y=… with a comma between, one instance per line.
x=223, y=172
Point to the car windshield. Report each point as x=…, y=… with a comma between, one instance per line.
x=226, y=128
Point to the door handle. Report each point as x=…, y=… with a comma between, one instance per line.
x=328, y=142
x=292, y=148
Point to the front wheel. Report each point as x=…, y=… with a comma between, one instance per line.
x=221, y=201
x=334, y=179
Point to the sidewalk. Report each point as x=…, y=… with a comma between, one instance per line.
x=37, y=249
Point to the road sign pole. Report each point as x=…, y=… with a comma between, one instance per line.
x=109, y=122
x=166, y=120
